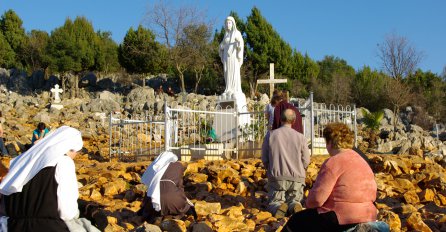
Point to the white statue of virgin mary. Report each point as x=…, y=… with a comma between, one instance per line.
x=231, y=54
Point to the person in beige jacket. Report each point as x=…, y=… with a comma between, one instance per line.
x=285, y=156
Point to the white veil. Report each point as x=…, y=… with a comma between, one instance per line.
x=43, y=154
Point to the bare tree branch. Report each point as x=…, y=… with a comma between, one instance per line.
x=168, y=22
x=399, y=58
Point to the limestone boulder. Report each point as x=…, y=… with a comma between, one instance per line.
x=388, y=147
x=222, y=172
x=427, y=195
x=42, y=116
x=391, y=218
x=411, y=197
x=262, y=216
x=173, y=225
x=146, y=227
x=248, y=170
x=101, y=105
x=203, y=208
x=230, y=224
x=95, y=195
x=202, y=227
x=415, y=222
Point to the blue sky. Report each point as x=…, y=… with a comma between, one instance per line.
x=349, y=29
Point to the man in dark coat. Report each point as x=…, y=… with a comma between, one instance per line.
x=282, y=106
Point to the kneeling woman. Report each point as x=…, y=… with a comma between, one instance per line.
x=40, y=190
x=165, y=191
x=344, y=191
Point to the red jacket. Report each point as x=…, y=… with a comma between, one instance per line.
x=279, y=108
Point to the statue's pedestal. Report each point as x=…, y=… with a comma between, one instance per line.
x=225, y=125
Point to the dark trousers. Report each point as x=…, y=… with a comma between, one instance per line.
x=310, y=220
x=2, y=147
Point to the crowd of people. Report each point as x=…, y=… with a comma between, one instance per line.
x=344, y=192
x=40, y=190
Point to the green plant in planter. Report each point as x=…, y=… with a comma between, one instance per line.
x=207, y=132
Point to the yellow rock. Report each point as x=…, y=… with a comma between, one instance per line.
x=112, y=220
x=411, y=197
x=204, y=208
x=442, y=199
x=415, y=222
x=250, y=224
x=173, y=225
x=262, y=216
x=391, y=218
x=427, y=195
x=95, y=195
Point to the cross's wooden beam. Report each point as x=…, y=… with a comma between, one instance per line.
x=271, y=81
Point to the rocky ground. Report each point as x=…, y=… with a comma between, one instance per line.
x=231, y=196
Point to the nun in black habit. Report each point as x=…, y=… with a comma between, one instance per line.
x=40, y=191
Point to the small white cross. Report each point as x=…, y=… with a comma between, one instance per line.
x=56, y=92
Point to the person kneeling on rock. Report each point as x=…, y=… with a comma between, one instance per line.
x=343, y=195
x=165, y=191
x=40, y=191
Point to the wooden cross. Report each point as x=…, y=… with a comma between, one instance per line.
x=271, y=81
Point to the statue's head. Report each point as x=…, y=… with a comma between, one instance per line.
x=230, y=24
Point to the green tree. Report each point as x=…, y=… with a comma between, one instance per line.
x=196, y=42
x=302, y=70
x=14, y=33
x=333, y=83
x=169, y=23
x=139, y=52
x=106, y=58
x=264, y=46
x=72, y=48
x=7, y=55
x=430, y=92
x=331, y=66
x=35, y=52
x=368, y=88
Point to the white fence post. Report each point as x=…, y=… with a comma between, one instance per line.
x=312, y=123
x=166, y=125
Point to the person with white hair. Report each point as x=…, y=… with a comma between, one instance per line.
x=285, y=156
x=40, y=191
